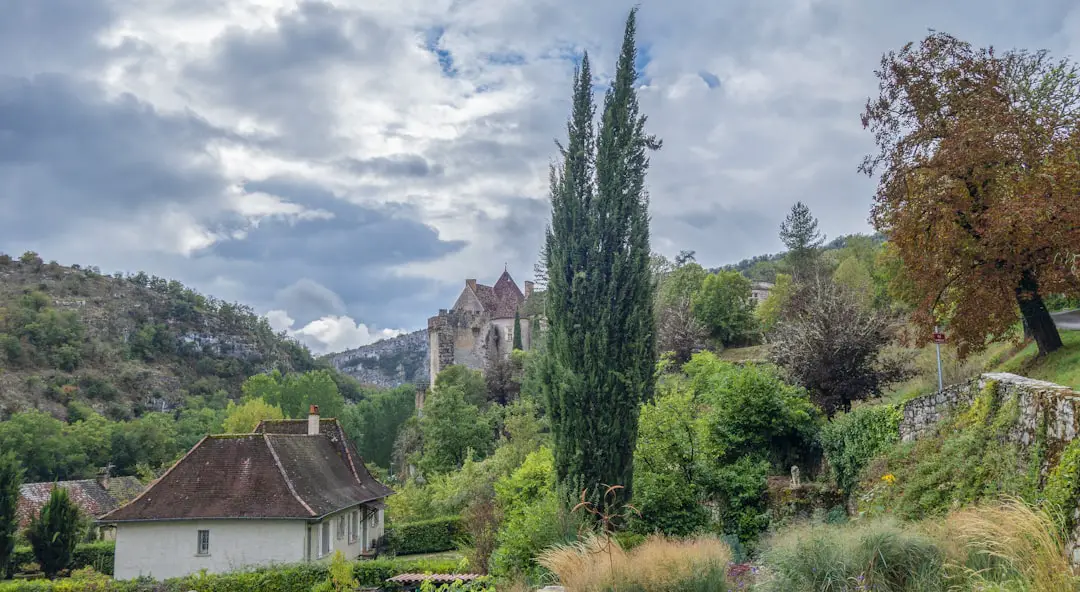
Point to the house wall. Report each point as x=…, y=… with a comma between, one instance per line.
x=168, y=549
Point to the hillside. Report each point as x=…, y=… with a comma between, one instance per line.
x=387, y=363
x=126, y=344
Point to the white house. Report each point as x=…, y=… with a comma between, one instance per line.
x=759, y=291
x=291, y=491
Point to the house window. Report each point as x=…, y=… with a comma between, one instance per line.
x=324, y=550
x=341, y=527
x=375, y=518
x=203, y=545
x=354, y=526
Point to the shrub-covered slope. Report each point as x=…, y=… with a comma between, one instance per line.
x=125, y=344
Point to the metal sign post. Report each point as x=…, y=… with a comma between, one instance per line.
x=939, y=338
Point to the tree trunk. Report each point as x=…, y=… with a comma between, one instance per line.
x=1036, y=317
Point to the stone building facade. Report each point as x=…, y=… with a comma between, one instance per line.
x=479, y=329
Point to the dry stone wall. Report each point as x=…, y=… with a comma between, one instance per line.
x=1038, y=401
x=1059, y=404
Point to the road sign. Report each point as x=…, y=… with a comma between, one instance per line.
x=939, y=338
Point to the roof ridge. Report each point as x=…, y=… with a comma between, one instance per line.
x=285, y=476
x=158, y=480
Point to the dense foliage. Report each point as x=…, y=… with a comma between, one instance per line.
x=709, y=439
x=10, y=481
x=851, y=440
x=426, y=536
x=601, y=336
x=282, y=578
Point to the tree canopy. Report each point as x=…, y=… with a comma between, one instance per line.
x=979, y=177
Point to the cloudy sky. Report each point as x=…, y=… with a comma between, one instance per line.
x=342, y=166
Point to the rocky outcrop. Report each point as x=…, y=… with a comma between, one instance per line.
x=387, y=363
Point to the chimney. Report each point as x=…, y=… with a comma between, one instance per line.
x=313, y=421
x=471, y=284
x=528, y=289
x=103, y=476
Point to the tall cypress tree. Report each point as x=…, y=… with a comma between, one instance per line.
x=601, y=339
x=517, y=330
x=10, y=481
x=799, y=232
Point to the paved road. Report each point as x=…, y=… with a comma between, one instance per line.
x=1069, y=319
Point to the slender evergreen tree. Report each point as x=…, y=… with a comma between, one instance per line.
x=10, y=480
x=799, y=231
x=601, y=340
x=517, y=330
x=55, y=531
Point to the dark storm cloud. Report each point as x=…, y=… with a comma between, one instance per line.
x=67, y=152
x=307, y=300
x=404, y=165
x=277, y=72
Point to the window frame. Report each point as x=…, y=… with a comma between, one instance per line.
x=354, y=526
x=324, y=540
x=200, y=549
x=374, y=517
x=340, y=527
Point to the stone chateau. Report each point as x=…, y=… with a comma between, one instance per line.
x=479, y=329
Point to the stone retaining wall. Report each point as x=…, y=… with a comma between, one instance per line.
x=1058, y=405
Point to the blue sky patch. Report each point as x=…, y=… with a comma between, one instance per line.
x=710, y=79
x=432, y=38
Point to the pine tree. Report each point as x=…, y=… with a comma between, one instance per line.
x=799, y=231
x=10, y=480
x=55, y=531
x=600, y=338
x=517, y=330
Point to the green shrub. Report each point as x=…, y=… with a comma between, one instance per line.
x=851, y=440
x=870, y=556
x=285, y=578
x=969, y=458
x=98, y=555
x=426, y=536
x=1062, y=491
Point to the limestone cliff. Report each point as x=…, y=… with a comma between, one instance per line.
x=387, y=363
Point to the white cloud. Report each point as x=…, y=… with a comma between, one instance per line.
x=297, y=89
x=332, y=333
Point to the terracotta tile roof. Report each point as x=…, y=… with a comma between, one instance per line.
x=258, y=475
x=507, y=295
x=94, y=499
x=486, y=296
x=346, y=449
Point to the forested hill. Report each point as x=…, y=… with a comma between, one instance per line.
x=763, y=268
x=127, y=344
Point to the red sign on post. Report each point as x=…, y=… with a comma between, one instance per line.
x=939, y=338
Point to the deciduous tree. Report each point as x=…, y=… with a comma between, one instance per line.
x=601, y=329
x=833, y=344
x=977, y=155
x=724, y=307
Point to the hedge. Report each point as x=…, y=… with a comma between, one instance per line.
x=426, y=536
x=286, y=578
x=98, y=555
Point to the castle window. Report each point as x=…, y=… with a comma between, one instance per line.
x=476, y=331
